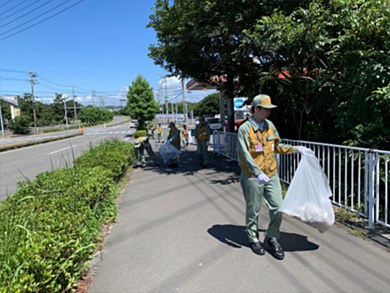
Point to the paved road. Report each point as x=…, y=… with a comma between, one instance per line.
x=182, y=230
x=25, y=163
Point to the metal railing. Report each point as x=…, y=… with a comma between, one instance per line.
x=358, y=177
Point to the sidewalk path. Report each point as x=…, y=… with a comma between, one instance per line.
x=182, y=230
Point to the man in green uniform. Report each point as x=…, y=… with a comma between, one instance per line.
x=159, y=131
x=153, y=129
x=184, y=136
x=174, y=139
x=258, y=141
x=202, y=134
x=142, y=143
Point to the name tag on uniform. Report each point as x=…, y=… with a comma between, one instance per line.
x=259, y=148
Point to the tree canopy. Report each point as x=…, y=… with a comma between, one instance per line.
x=200, y=39
x=208, y=106
x=325, y=63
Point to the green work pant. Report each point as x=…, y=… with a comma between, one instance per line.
x=254, y=193
x=201, y=149
x=185, y=142
x=139, y=156
x=159, y=135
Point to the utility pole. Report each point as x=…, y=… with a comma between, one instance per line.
x=102, y=102
x=93, y=98
x=66, y=115
x=177, y=112
x=33, y=81
x=172, y=109
x=74, y=106
x=159, y=102
x=184, y=102
x=166, y=94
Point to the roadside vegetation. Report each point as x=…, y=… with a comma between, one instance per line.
x=53, y=114
x=50, y=226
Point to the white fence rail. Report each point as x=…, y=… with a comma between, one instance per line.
x=358, y=177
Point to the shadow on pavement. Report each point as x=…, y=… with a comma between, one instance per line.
x=236, y=237
x=189, y=164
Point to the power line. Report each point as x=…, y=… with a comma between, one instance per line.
x=11, y=70
x=43, y=20
x=13, y=8
x=8, y=78
x=6, y=3
x=27, y=13
x=28, y=21
x=43, y=84
x=52, y=82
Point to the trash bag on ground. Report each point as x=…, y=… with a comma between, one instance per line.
x=307, y=197
x=168, y=152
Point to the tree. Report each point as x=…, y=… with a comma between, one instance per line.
x=20, y=125
x=208, y=106
x=94, y=115
x=140, y=102
x=322, y=64
x=58, y=109
x=200, y=39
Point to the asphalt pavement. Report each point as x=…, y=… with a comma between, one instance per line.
x=182, y=230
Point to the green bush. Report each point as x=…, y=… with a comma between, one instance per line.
x=140, y=133
x=49, y=226
x=20, y=125
x=113, y=155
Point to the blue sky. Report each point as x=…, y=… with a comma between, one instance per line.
x=94, y=45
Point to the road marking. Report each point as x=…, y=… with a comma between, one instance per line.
x=36, y=145
x=62, y=149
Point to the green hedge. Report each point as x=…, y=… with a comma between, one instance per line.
x=140, y=133
x=49, y=227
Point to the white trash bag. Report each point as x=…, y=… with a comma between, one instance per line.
x=307, y=197
x=190, y=139
x=168, y=152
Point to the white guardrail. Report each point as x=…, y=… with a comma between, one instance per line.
x=358, y=177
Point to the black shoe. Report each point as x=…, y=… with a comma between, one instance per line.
x=157, y=164
x=201, y=163
x=276, y=248
x=257, y=248
x=204, y=166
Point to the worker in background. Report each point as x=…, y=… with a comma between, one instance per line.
x=243, y=121
x=153, y=129
x=184, y=136
x=202, y=134
x=159, y=131
x=174, y=139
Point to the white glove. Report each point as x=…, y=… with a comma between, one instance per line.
x=305, y=151
x=262, y=178
x=207, y=143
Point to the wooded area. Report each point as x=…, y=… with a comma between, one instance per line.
x=326, y=64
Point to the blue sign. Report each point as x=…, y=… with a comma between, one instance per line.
x=239, y=103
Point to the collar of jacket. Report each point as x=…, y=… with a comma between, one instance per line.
x=255, y=125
